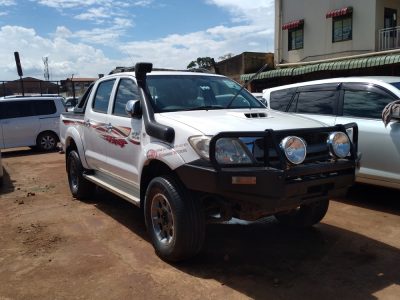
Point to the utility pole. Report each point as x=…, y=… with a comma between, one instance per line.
x=73, y=86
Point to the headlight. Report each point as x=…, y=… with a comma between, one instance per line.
x=294, y=149
x=201, y=144
x=339, y=144
x=231, y=151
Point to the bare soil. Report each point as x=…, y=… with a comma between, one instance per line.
x=55, y=247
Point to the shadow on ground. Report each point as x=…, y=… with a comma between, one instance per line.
x=19, y=152
x=7, y=184
x=263, y=260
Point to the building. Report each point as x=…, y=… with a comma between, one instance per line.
x=75, y=86
x=317, y=39
x=309, y=30
x=28, y=86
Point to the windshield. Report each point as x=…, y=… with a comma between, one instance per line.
x=396, y=84
x=197, y=92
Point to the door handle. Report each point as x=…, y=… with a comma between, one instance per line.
x=109, y=127
x=87, y=123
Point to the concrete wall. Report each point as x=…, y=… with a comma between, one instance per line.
x=318, y=29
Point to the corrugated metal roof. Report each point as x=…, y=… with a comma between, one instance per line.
x=357, y=63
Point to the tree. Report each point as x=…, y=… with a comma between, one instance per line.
x=201, y=62
x=226, y=56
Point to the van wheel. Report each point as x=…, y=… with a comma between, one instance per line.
x=80, y=187
x=305, y=216
x=174, y=219
x=47, y=141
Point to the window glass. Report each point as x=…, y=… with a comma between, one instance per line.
x=396, y=84
x=316, y=102
x=44, y=107
x=364, y=104
x=16, y=109
x=279, y=100
x=342, y=28
x=102, y=97
x=296, y=39
x=127, y=90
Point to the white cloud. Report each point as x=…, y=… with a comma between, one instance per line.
x=3, y=13
x=65, y=58
x=93, y=14
x=7, y=2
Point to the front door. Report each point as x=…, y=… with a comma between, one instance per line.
x=123, y=143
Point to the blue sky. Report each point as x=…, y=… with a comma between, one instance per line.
x=89, y=37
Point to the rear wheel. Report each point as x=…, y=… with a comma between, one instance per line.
x=174, y=219
x=306, y=215
x=80, y=187
x=47, y=141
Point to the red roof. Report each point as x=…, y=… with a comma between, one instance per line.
x=293, y=24
x=339, y=12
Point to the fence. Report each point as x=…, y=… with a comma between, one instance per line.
x=389, y=38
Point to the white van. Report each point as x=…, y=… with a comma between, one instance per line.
x=30, y=121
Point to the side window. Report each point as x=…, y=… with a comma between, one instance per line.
x=102, y=97
x=364, y=104
x=316, y=102
x=279, y=100
x=127, y=90
x=44, y=107
x=16, y=109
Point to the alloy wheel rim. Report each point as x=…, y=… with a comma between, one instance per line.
x=47, y=142
x=73, y=175
x=162, y=219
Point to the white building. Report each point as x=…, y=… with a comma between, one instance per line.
x=310, y=30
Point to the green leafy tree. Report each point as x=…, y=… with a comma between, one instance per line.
x=201, y=62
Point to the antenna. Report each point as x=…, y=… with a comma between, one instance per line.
x=46, y=68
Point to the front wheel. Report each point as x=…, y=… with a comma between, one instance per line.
x=174, y=219
x=80, y=187
x=306, y=215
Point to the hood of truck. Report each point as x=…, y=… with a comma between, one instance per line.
x=211, y=122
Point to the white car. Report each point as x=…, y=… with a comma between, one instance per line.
x=30, y=121
x=352, y=99
x=193, y=147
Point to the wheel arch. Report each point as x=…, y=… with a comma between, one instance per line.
x=73, y=142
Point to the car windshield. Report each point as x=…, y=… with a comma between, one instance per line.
x=197, y=92
x=396, y=84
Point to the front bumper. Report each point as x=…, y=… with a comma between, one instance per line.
x=268, y=189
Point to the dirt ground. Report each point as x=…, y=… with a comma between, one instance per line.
x=55, y=247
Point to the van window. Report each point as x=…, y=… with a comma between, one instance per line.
x=127, y=90
x=15, y=109
x=317, y=102
x=365, y=104
x=102, y=97
x=279, y=100
x=44, y=107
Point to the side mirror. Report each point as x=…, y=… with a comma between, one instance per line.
x=133, y=109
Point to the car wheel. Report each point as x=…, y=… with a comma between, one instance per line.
x=47, y=141
x=80, y=187
x=174, y=219
x=306, y=215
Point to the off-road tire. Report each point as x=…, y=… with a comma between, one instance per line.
x=168, y=204
x=79, y=186
x=47, y=141
x=305, y=216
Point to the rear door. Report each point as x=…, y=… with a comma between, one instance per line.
x=96, y=126
x=123, y=143
x=19, y=124
x=379, y=146
x=319, y=102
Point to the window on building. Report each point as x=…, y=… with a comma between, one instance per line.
x=296, y=39
x=342, y=28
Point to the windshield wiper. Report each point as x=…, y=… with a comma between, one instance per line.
x=246, y=83
x=204, y=107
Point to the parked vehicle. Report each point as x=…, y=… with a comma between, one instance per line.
x=353, y=99
x=70, y=103
x=30, y=121
x=259, y=96
x=193, y=147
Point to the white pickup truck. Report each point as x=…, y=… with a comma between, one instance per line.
x=192, y=148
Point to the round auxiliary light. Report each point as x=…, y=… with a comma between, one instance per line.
x=294, y=148
x=339, y=144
